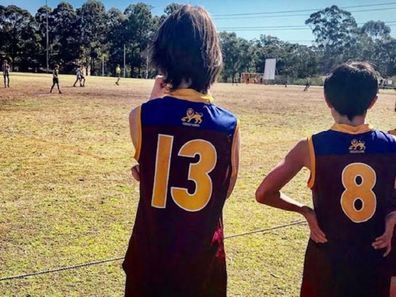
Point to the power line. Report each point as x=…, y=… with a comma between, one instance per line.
x=294, y=15
x=97, y=262
x=287, y=28
x=300, y=10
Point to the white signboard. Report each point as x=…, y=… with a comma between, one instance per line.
x=269, y=71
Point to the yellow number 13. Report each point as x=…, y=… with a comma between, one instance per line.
x=198, y=173
x=361, y=189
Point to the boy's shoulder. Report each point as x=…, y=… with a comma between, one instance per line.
x=373, y=141
x=188, y=113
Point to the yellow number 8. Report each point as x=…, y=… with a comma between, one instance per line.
x=359, y=190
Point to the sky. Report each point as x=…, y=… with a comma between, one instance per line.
x=251, y=18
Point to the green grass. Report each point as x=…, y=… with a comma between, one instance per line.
x=66, y=195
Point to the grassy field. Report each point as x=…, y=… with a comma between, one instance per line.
x=66, y=195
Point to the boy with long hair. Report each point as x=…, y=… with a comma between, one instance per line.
x=187, y=149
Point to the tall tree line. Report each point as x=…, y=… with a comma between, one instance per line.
x=96, y=37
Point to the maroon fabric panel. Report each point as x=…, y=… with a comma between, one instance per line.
x=174, y=252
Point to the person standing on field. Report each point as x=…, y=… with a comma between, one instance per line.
x=80, y=76
x=118, y=74
x=6, y=73
x=353, y=178
x=55, y=79
x=187, y=148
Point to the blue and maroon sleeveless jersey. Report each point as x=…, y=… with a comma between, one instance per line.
x=186, y=161
x=353, y=186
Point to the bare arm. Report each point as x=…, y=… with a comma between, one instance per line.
x=269, y=190
x=385, y=240
x=134, y=133
x=160, y=88
x=234, y=161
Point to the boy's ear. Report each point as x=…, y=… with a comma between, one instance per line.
x=373, y=102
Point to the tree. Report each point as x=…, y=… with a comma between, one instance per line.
x=116, y=36
x=65, y=35
x=92, y=27
x=19, y=38
x=138, y=34
x=236, y=55
x=376, y=30
x=41, y=20
x=171, y=8
x=335, y=33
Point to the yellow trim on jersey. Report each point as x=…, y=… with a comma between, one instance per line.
x=352, y=129
x=234, y=151
x=138, y=145
x=311, y=149
x=191, y=95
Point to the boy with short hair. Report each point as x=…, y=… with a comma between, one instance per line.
x=353, y=172
x=6, y=73
x=55, y=78
x=188, y=153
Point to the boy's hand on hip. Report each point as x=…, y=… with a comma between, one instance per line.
x=385, y=240
x=317, y=234
x=135, y=170
x=160, y=88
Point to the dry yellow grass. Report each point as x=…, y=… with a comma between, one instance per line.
x=66, y=196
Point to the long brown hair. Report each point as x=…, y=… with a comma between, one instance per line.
x=187, y=47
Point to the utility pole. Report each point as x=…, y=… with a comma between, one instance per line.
x=103, y=65
x=147, y=64
x=47, y=36
x=124, y=60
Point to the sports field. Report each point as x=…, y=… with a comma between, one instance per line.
x=66, y=195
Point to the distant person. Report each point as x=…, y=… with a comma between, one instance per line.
x=55, y=79
x=118, y=74
x=6, y=73
x=187, y=148
x=82, y=73
x=79, y=77
x=307, y=85
x=353, y=173
x=235, y=79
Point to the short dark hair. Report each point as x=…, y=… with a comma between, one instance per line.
x=351, y=87
x=187, y=47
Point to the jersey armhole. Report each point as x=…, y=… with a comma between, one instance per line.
x=311, y=149
x=138, y=145
x=235, y=146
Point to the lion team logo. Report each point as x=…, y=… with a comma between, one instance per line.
x=357, y=146
x=192, y=118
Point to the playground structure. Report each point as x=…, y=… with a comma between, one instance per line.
x=251, y=78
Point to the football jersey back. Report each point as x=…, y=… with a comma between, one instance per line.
x=353, y=187
x=185, y=156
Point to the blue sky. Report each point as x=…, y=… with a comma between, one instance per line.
x=294, y=31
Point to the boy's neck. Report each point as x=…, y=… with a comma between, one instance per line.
x=183, y=85
x=342, y=119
